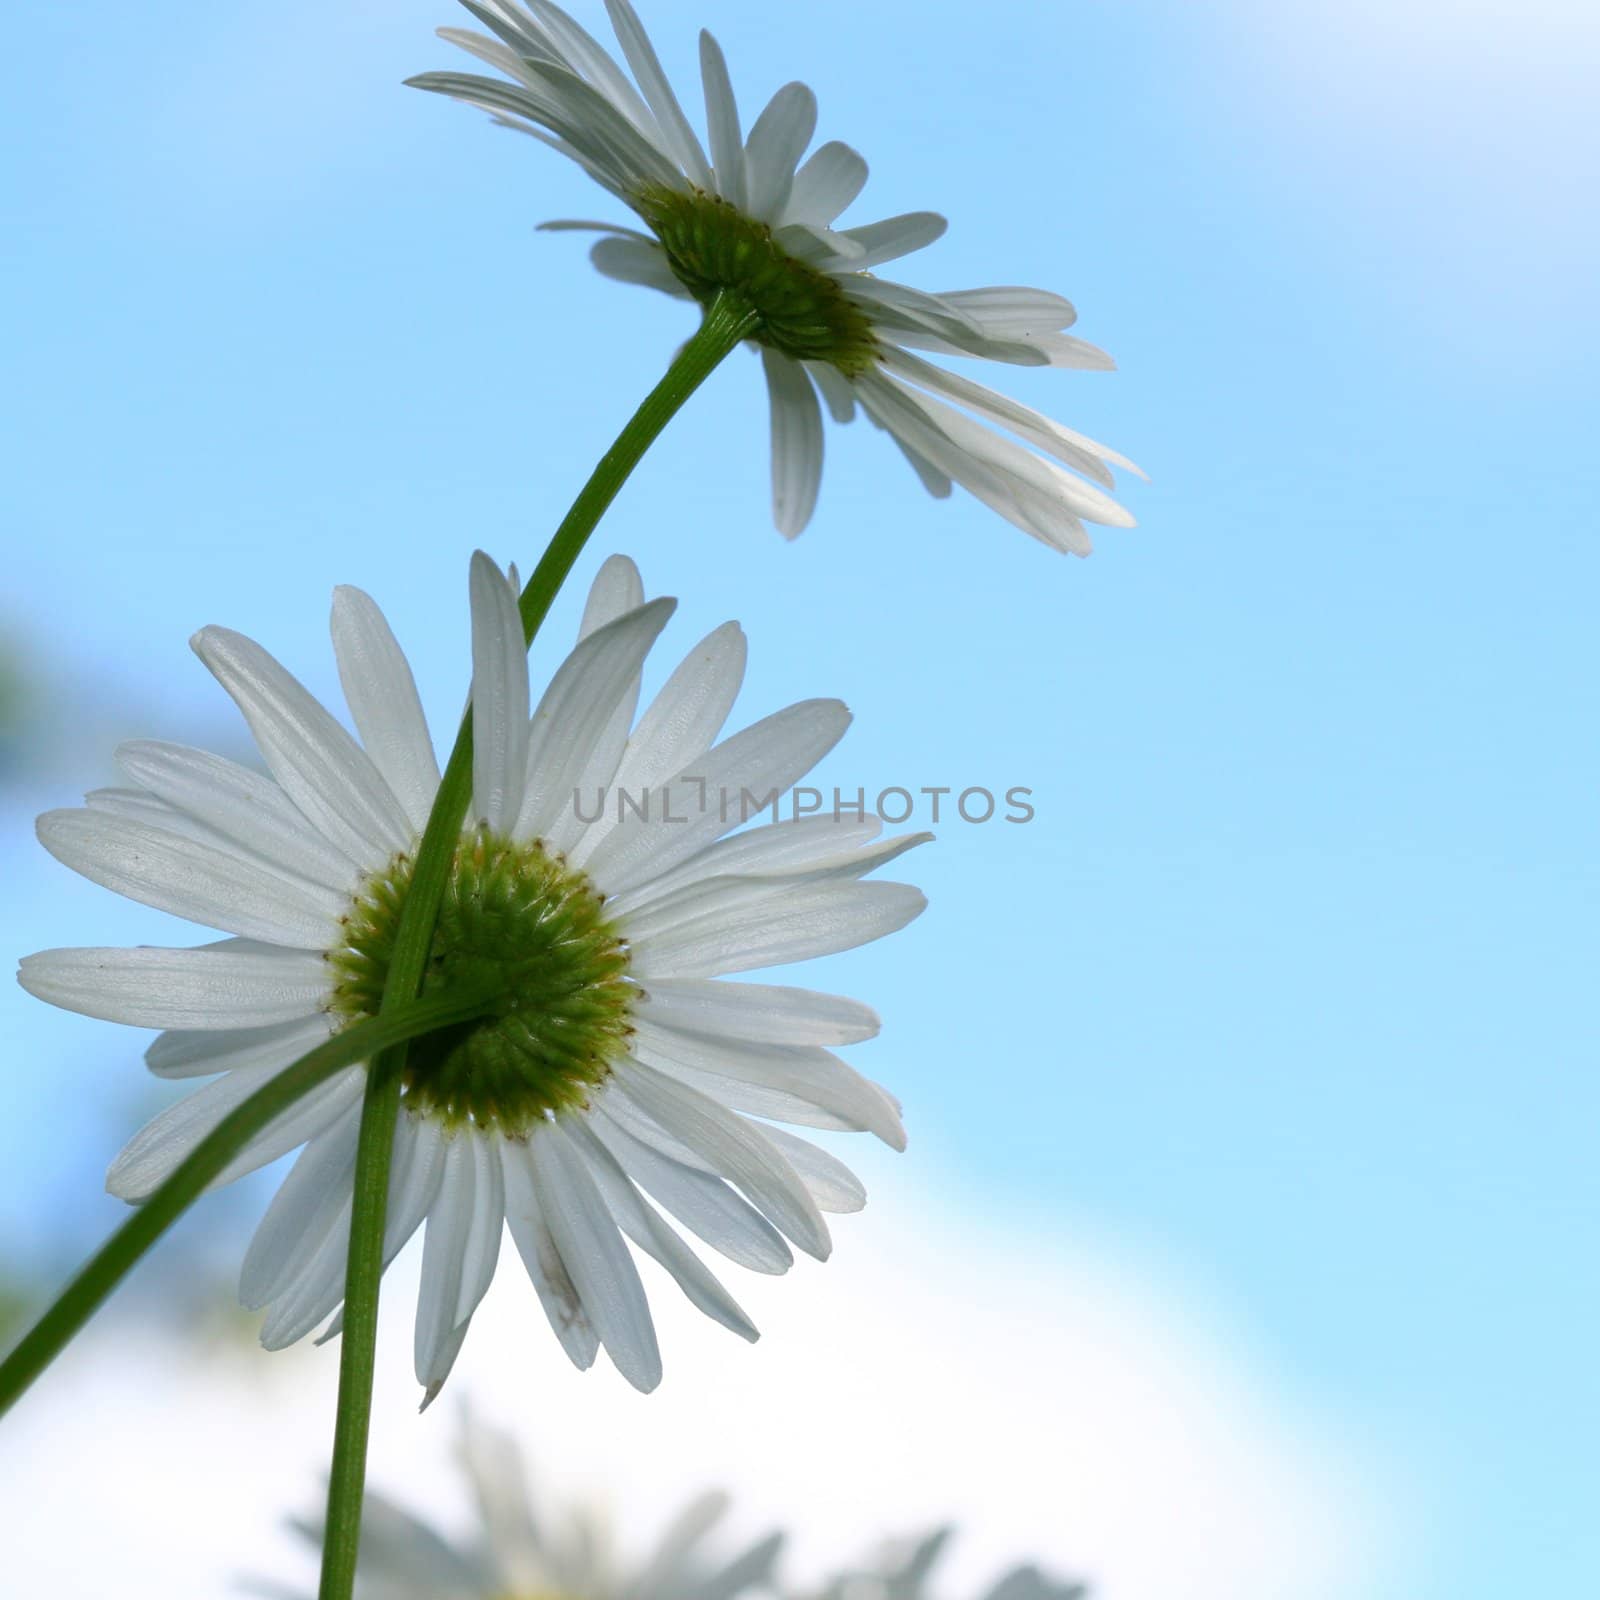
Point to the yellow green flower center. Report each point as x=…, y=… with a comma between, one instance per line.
x=712, y=246
x=521, y=923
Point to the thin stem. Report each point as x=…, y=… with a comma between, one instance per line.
x=112, y=1262
x=727, y=321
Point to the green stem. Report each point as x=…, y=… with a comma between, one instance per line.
x=82, y=1297
x=727, y=321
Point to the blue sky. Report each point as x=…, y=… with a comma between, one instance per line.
x=1287, y=990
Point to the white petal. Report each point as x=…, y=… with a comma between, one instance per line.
x=572, y=822
x=627, y=1113
x=139, y=805
x=416, y=1167
x=499, y=698
x=416, y=1170
x=909, y=327
x=1075, y=449
x=595, y=1256
x=557, y=1293
x=937, y=483
x=836, y=391
x=734, y=1149
x=1035, y=482
x=700, y=1200
x=449, y=1222
x=577, y=708
x=719, y=791
x=518, y=40
x=646, y=67
x=317, y=1287
x=241, y=805
x=238, y=986
x=751, y=1569
x=199, y=1054
x=579, y=225
x=814, y=920
x=320, y=1178
x=795, y=848
x=577, y=112
x=460, y=1247
x=831, y=1183
x=796, y=443
x=488, y=1225
x=783, y=1078
x=1018, y=350
x=705, y=897
x=415, y=1176
x=825, y=186
x=303, y=1120
x=321, y=768
x=617, y=589
x=897, y=307
x=908, y=418
x=156, y=1151
x=776, y=143
x=755, y=1100
x=637, y=261
x=1031, y=494
x=681, y=722
x=818, y=247
x=894, y=237
x=549, y=98
x=1011, y=310
x=1062, y=350
x=712, y=900
x=673, y=1567
x=647, y=1230
x=220, y=888
x=532, y=113
x=722, y=123
x=382, y=695
x=492, y=1462
x=761, y=1013
x=585, y=55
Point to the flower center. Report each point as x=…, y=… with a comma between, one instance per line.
x=519, y=922
x=711, y=246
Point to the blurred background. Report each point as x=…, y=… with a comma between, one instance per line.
x=1244, y=1246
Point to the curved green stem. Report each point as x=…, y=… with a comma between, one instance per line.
x=82, y=1297
x=727, y=321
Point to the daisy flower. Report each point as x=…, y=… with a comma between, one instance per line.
x=904, y=1570
x=520, y=1548
x=753, y=214
x=621, y=1080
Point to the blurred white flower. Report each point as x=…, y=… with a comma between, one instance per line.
x=521, y=1552
x=618, y=1064
x=753, y=217
x=904, y=1571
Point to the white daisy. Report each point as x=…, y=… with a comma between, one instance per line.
x=755, y=217
x=521, y=1550
x=620, y=1075
x=903, y=1570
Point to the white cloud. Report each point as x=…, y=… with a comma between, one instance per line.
x=1049, y=1401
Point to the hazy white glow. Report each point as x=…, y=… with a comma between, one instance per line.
x=1050, y=1402
x=1439, y=86
x=1440, y=31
